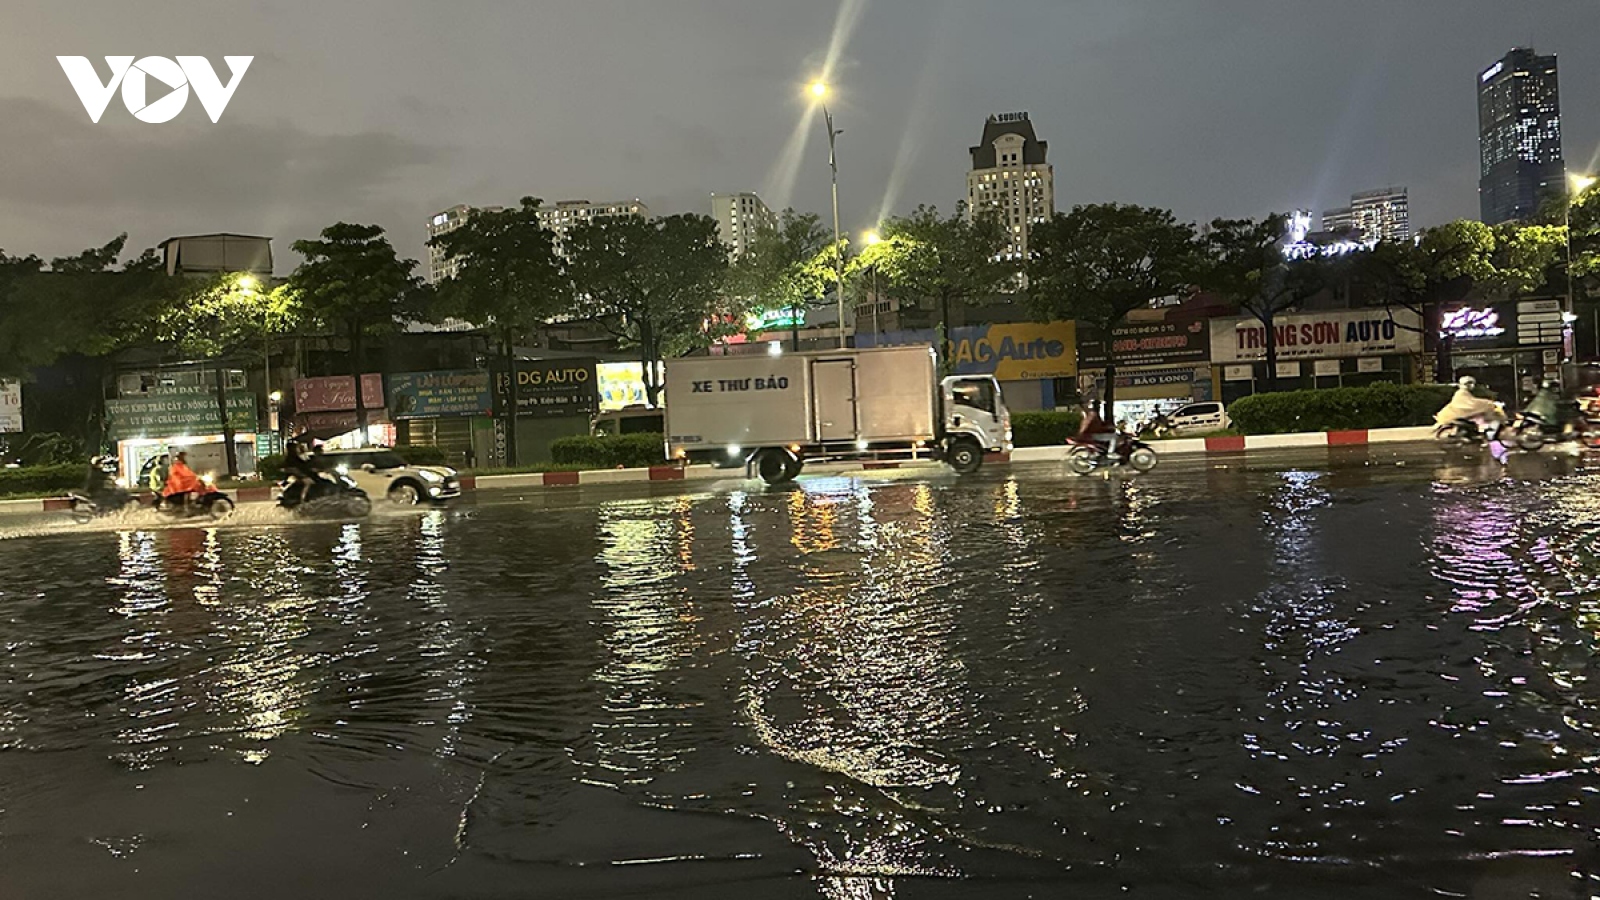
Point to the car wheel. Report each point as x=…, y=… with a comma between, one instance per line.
x=405, y=494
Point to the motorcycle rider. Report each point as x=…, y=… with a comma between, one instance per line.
x=304, y=475
x=157, y=480
x=101, y=481
x=1096, y=430
x=182, y=483
x=1465, y=406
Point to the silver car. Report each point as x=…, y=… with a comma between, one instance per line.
x=382, y=472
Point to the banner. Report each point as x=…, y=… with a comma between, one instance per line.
x=422, y=395
x=1149, y=344
x=622, y=385
x=1016, y=352
x=10, y=406
x=175, y=415
x=548, y=388
x=337, y=392
x=1330, y=335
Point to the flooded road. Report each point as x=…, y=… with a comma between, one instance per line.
x=1374, y=677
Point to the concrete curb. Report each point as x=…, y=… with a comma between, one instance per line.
x=1212, y=446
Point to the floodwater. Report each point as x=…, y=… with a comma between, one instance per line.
x=1285, y=677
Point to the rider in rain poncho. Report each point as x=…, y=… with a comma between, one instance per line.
x=1466, y=406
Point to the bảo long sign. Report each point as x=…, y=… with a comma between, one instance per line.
x=1330, y=335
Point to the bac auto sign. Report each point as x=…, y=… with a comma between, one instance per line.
x=1332, y=335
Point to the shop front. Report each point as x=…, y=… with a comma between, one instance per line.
x=325, y=409
x=1345, y=348
x=1160, y=366
x=1035, y=362
x=555, y=398
x=439, y=409
x=1508, y=347
x=173, y=419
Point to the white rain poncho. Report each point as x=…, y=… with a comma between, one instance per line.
x=1464, y=405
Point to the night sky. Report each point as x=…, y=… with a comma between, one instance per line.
x=388, y=111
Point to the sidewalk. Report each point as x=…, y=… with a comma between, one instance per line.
x=540, y=480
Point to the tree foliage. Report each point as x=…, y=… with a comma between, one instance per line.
x=948, y=260
x=657, y=284
x=1101, y=262
x=509, y=278
x=84, y=304
x=786, y=265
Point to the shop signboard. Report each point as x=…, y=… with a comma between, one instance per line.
x=335, y=393
x=1148, y=344
x=1325, y=368
x=1289, y=369
x=427, y=395
x=174, y=415
x=1540, y=322
x=1329, y=335
x=10, y=406
x=1369, y=364
x=622, y=385
x=1238, y=373
x=1017, y=352
x=549, y=388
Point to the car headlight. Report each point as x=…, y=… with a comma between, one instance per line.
x=430, y=476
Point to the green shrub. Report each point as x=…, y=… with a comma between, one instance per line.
x=41, y=479
x=270, y=467
x=1340, y=409
x=633, y=451
x=422, y=455
x=1044, y=429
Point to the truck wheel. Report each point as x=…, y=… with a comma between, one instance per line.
x=774, y=466
x=792, y=470
x=965, y=456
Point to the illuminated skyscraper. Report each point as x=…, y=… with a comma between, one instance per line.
x=1519, y=136
x=1011, y=179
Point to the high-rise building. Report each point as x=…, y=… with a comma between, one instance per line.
x=1380, y=215
x=739, y=217
x=440, y=266
x=569, y=214
x=1339, y=221
x=1011, y=179
x=1519, y=136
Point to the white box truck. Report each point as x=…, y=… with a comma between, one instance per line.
x=775, y=411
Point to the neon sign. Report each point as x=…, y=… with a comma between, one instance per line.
x=1471, y=323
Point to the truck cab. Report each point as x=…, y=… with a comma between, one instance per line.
x=975, y=420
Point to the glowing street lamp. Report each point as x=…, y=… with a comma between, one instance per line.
x=819, y=90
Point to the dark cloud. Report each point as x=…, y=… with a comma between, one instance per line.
x=1210, y=107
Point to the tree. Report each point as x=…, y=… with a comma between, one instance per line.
x=925, y=256
x=785, y=267
x=657, y=285
x=1100, y=262
x=221, y=317
x=353, y=283
x=508, y=281
x=80, y=304
x=1246, y=266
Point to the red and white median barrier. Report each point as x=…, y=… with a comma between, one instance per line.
x=1212, y=446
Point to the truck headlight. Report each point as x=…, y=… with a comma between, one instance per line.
x=734, y=450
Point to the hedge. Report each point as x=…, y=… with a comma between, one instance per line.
x=41, y=479
x=632, y=451
x=1044, y=429
x=423, y=455
x=1340, y=409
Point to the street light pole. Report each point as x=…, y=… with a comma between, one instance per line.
x=820, y=91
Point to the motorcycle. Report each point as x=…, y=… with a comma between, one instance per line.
x=1157, y=425
x=1532, y=431
x=92, y=504
x=1470, y=432
x=208, y=503
x=1087, y=456
x=329, y=495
